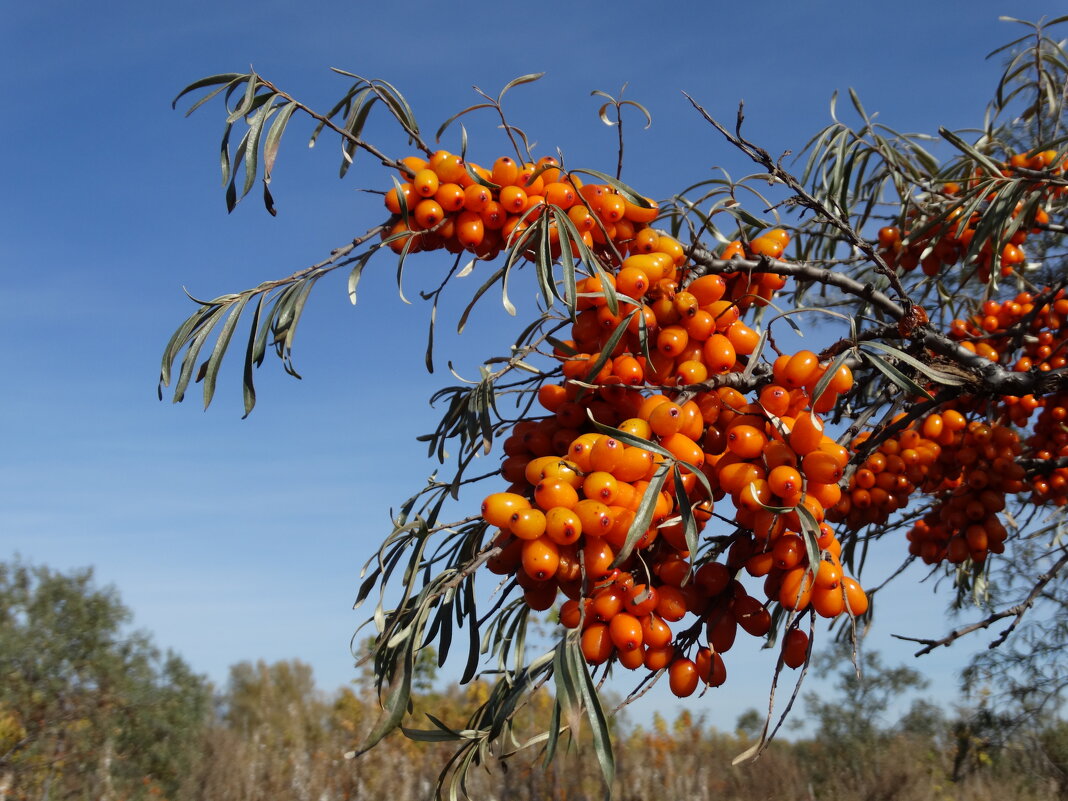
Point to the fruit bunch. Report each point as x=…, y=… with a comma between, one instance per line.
x=967, y=456
x=1029, y=331
x=1048, y=441
x=978, y=470
x=610, y=513
x=1037, y=330
x=935, y=247
x=969, y=467
x=446, y=203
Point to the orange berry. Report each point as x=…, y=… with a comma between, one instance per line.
x=541, y=558
x=806, y=434
x=527, y=524
x=470, y=230
x=597, y=556
x=683, y=677
x=743, y=338
x=425, y=182
x=794, y=648
x=683, y=448
x=799, y=369
x=666, y=418
x=513, y=199
x=551, y=492
x=639, y=214
x=746, y=441
x=560, y=194
x=410, y=198
x=563, y=526
x=655, y=632
x=784, y=480
x=428, y=213
x=625, y=632
x=796, y=590
x=752, y=616
x=821, y=467
x=672, y=339
x=597, y=646
x=594, y=517
x=719, y=354
x=828, y=602
x=856, y=598
x=498, y=508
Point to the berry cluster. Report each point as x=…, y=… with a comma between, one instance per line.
x=935, y=247
x=669, y=450
x=1048, y=441
x=978, y=469
x=445, y=203
x=967, y=466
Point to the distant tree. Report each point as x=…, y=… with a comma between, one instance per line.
x=88, y=708
x=866, y=694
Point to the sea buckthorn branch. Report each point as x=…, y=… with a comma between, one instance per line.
x=1038, y=467
x=1016, y=612
x=994, y=377
x=348, y=136
x=803, y=197
x=668, y=463
x=867, y=292
x=222, y=313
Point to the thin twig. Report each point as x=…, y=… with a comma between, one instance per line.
x=1017, y=612
x=374, y=151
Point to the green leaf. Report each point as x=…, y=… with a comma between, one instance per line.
x=897, y=377
x=643, y=516
x=226, y=79
x=354, y=122
x=221, y=344
x=252, y=148
x=344, y=103
x=985, y=162
x=518, y=82
x=224, y=155
x=456, y=116
x=641, y=108
x=606, y=351
x=206, y=322
x=248, y=388
x=298, y=309
x=828, y=374
x=397, y=104
x=936, y=375
x=602, y=740
x=689, y=522
x=431, y=735
x=396, y=704
x=810, y=532
x=355, y=275
x=245, y=106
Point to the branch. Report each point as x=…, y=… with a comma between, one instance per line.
x=867, y=292
x=1040, y=467
x=805, y=199
x=995, y=378
x=1017, y=612
x=374, y=151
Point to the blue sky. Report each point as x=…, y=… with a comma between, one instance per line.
x=237, y=539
